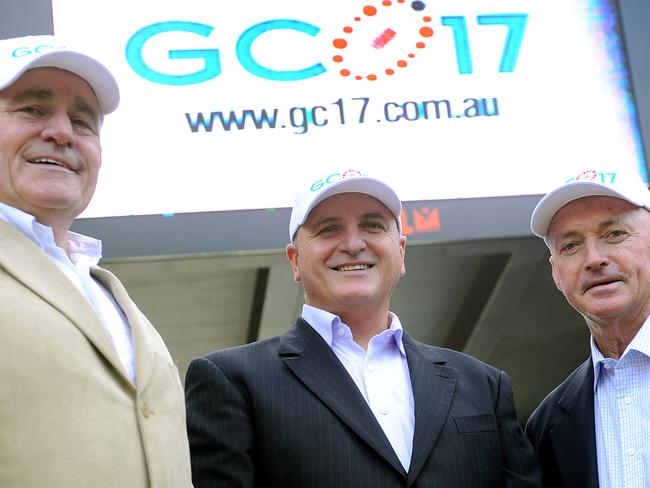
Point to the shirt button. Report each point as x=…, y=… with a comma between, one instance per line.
x=370, y=369
x=607, y=366
x=627, y=400
x=630, y=451
x=341, y=332
x=385, y=410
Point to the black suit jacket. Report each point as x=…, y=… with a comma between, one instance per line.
x=284, y=413
x=563, y=432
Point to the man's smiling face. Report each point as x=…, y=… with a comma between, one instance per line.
x=600, y=256
x=348, y=253
x=50, y=151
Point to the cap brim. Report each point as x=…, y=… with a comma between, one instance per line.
x=95, y=73
x=359, y=184
x=553, y=201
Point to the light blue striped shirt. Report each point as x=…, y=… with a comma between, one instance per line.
x=622, y=414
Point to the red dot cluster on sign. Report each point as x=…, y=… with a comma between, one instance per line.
x=381, y=41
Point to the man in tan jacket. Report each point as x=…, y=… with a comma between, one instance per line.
x=89, y=395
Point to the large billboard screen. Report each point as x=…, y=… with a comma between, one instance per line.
x=230, y=106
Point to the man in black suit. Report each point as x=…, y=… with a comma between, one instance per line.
x=345, y=398
x=592, y=430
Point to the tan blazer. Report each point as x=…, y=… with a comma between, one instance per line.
x=69, y=415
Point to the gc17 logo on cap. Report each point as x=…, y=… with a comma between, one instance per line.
x=21, y=52
x=589, y=175
x=592, y=175
x=334, y=177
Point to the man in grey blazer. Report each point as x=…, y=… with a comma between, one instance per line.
x=345, y=398
x=89, y=395
x=592, y=431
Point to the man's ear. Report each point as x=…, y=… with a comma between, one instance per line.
x=554, y=272
x=292, y=256
x=402, y=250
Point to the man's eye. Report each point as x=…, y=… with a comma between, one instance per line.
x=31, y=109
x=615, y=236
x=374, y=225
x=83, y=124
x=327, y=230
x=80, y=122
x=617, y=232
x=568, y=247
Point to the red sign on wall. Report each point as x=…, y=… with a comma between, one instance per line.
x=421, y=220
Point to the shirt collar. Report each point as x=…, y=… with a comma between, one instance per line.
x=324, y=322
x=640, y=343
x=81, y=248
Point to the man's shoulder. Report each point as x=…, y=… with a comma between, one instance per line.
x=245, y=356
x=546, y=413
x=245, y=350
x=452, y=358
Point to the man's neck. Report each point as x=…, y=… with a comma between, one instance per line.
x=365, y=326
x=59, y=229
x=613, y=338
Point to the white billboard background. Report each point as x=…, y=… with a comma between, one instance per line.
x=563, y=108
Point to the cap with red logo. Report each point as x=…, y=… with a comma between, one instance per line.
x=20, y=54
x=347, y=181
x=618, y=184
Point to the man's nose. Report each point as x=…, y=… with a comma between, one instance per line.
x=353, y=241
x=58, y=129
x=595, y=255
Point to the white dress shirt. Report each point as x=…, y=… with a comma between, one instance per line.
x=622, y=414
x=381, y=374
x=84, y=253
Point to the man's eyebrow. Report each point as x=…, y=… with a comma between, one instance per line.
x=602, y=226
x=375, y=215
x=567, y=235
x=326, y=220
x=366, y=216
x=608, y=223
x=44, y=94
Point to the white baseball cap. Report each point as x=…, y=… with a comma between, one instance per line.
x=20, y=54
x=618, y=184
x=347, y=181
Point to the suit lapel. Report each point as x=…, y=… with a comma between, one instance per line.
x=312, y=361
x=143, y=349
x=574, y=437
x=34, y=269
x=433, y=389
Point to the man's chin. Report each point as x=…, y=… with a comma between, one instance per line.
x=604, y=310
